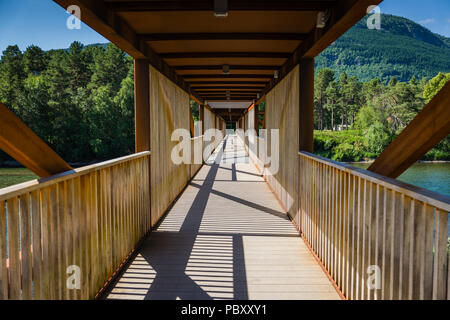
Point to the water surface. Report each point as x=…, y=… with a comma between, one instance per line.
x=431, y=176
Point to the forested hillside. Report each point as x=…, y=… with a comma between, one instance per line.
x=401, y=49
x=370, y=83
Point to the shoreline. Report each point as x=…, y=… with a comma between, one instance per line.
x=420, y=161
x=15, y=164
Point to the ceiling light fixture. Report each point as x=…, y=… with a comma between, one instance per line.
x=226, y=69
x=322, y=19
x=275, y=74
x=221, y=8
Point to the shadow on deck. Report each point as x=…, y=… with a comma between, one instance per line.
x=226, y=237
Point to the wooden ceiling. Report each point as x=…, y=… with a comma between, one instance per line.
x=185, y=40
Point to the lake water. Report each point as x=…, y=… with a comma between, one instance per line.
x=431, y=176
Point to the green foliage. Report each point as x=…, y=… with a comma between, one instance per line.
x=80, y=101
x=401, y=49
x=366, y=117
x=374, y=111
x=378, y=137
x=434, y=85
x=346, y=145
x=195, y=110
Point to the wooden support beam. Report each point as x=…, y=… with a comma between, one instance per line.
x=191, y=120
x=223, y=92
x=261, y=99
x=21, y=143
x=426, y=130
x=232, y=99
x=201, y=112
x=196, y=99
x=232, y=67
x=257, y=87
x=141, y=105
x=222, y=36
x=306, y=105
x=208, y=5
x=227, y=76
x=256, y=122
x=344, y=15
x=202, y=55
x=262, y=82
x=112, y=26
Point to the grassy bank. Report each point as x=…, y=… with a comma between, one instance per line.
x=11, y=176
x=363, y=145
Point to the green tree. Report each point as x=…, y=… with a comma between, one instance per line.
x=332, y=103
x=34, y=60
x=434, y=85
x=12, y=75
x=110, y=69
x=322, y=81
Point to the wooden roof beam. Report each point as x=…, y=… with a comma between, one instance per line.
x=232, y=67
x=200, y=92
x=222, y=36
x=232, y=99
x=21, y=143
x=208, y=5
x=201, y=55
x=344, y=15
x=427, y=129
x=199, y=87
x=97, y=15
x=229, y=76
x=229, y=82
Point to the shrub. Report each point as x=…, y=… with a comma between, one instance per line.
x=378, y=137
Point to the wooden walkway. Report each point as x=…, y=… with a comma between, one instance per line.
x=225, y=238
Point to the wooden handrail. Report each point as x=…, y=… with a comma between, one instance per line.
x=32, y=185
x=364, y=226
x=436, y=199
x=89, y=219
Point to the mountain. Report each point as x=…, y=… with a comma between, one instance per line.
x=401, y=49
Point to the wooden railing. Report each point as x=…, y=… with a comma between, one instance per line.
x=196, y=154
x=378, y=238
x=89, y=218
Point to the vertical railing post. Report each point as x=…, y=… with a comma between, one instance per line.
x=201, y=111
x=306, y=118
x=141, y=105
x=142, y=112
x=306, y=105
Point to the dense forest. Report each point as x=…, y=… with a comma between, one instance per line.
x=401, y=49
x=357, y=120
x=80, y=100
x=369, y=84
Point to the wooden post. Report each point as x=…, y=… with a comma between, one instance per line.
x=191, y=118
x=21, y=143
x=141, y=105
x=426, y=130
x=256, y=118
x=201, y=111
x=306, y=105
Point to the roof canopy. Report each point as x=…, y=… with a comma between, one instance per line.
x=189, y=44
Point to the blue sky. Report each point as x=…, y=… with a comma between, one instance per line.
x=43, y=22
x=432, y=14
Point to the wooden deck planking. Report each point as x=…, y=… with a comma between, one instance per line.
x=226, y=237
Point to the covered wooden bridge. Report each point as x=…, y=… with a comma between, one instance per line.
x=250, y=215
